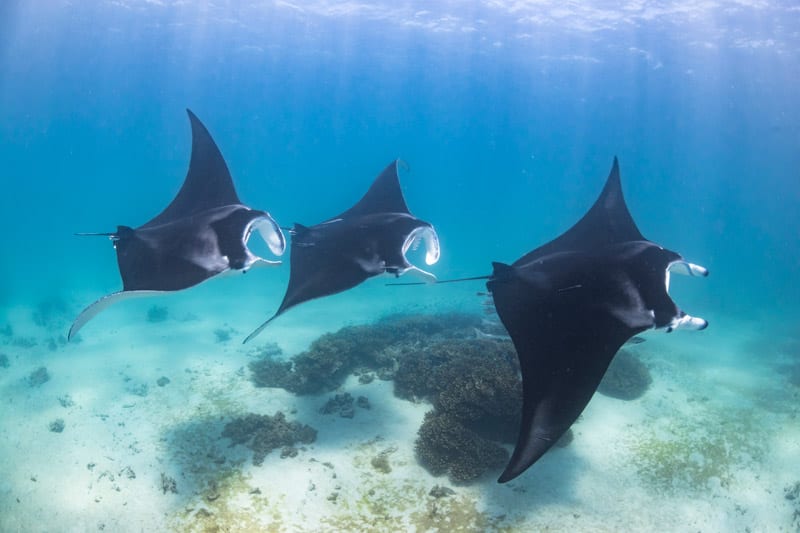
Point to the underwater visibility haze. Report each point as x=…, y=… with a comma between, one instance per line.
x=395, y=407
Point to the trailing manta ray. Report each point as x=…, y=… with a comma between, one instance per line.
x=570, y=304
x=201, y=233
x=369, y=239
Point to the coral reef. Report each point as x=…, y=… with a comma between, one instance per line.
x=377, y=347
x=627, y=378
x=344, y=405
x=464, y=365
x=476, y=391
x=363, y=402
x=4, y=361
x=264, y=433
x=162, y=381
x=341, y=404
x=57, y=425
x=268, y=372
x=473, y=383
x=445, y=446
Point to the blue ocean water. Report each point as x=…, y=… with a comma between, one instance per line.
x=508, y=114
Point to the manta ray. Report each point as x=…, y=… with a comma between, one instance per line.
x=369, y=239
x=570, y=304
x=203, y=232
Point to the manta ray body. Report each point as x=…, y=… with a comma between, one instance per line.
x=570, y=304
x=369, y=239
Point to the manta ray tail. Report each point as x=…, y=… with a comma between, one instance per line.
x=95, y=308
x=259, y=329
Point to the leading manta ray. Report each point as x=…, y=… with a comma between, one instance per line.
x=570, y=304
x=369, y=239
x=203, y=232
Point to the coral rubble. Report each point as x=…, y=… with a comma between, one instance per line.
x=168, y=484
x=157, y=313
x=39, y=377
x=66, y=401
x=224, y=334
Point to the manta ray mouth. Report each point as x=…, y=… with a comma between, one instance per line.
x=431, y=239
x=432, y=251
x=270, y=233
x=684, y=321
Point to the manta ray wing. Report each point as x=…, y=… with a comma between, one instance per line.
x=383, y=196
x=608, y=221
x=208, y=183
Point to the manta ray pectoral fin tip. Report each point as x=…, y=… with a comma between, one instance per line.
x=508, y=474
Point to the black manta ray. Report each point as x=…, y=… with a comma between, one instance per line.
x=369, y=239
x=201, y=233
x=570, y=304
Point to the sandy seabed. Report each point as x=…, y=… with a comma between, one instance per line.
x=712, y=446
